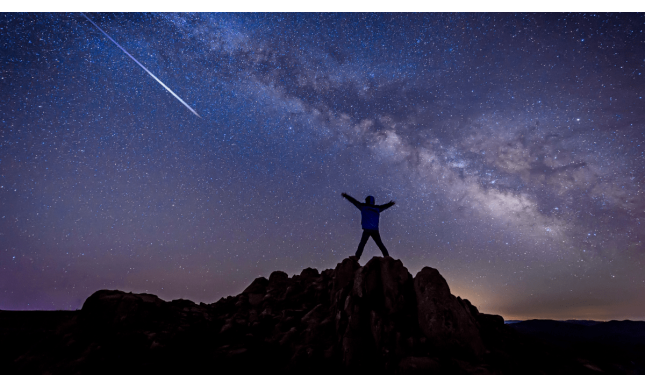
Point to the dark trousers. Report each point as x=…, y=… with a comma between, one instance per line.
x=377, y=238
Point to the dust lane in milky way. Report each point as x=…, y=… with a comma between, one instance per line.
x=513, y=145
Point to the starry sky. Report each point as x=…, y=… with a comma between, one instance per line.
x=513, y=145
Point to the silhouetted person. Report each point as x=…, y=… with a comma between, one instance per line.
x=369, y=221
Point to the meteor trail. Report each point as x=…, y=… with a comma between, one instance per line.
x=143, y=67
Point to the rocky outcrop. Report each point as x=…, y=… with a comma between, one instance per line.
x=377, y=320
x=372, y=319
x=447, y=321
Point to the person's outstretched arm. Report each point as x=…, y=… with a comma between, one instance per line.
x=387, y=205
x=351, y=200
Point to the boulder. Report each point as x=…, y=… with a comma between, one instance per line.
x=277, y=285
x=278, y=278
x=256, y=291
x=258, y=286
x=114, y=308
x=309, y=273
x=446, y=322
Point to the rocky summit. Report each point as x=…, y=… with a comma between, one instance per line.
x=372, y=319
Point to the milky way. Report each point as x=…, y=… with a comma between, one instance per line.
x=513, y=145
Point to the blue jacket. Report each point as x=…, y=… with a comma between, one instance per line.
x=369, y=211
x=369, y=216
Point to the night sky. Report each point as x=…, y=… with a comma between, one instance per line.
x=513, y=145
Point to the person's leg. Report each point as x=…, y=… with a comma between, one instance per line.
x=361, y=245
x=377, y=238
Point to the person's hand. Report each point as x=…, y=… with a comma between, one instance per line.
x=344, y=195
x=392, y=202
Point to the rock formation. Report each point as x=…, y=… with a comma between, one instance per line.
x=371, y=319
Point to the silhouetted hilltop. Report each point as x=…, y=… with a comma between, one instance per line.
x=374, y=319
x=618, y=344
x=584, y=322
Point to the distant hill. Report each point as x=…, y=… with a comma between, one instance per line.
x=353, y=319
x=626, y=336
x=583, y=322
x=579, y=322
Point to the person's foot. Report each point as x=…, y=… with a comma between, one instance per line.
x=355, y=258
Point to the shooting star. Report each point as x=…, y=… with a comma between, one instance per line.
x=143, y=67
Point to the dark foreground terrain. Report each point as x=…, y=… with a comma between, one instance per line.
x=374, y=319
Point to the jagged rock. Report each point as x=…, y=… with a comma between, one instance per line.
x=277, y=286
x=445, y=321
x=317, y=314
x=328, y=274
x=288, y=337
x=313, y=323
x=278, y=278
x=256, y=291
x=181, y=303
x=372, y=319
x=379, y=313
x=309, y=273
x=343, y=280
x=258, y=286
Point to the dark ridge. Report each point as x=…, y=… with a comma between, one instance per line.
x=353, y=319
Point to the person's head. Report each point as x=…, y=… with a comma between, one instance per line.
x=369, y=200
